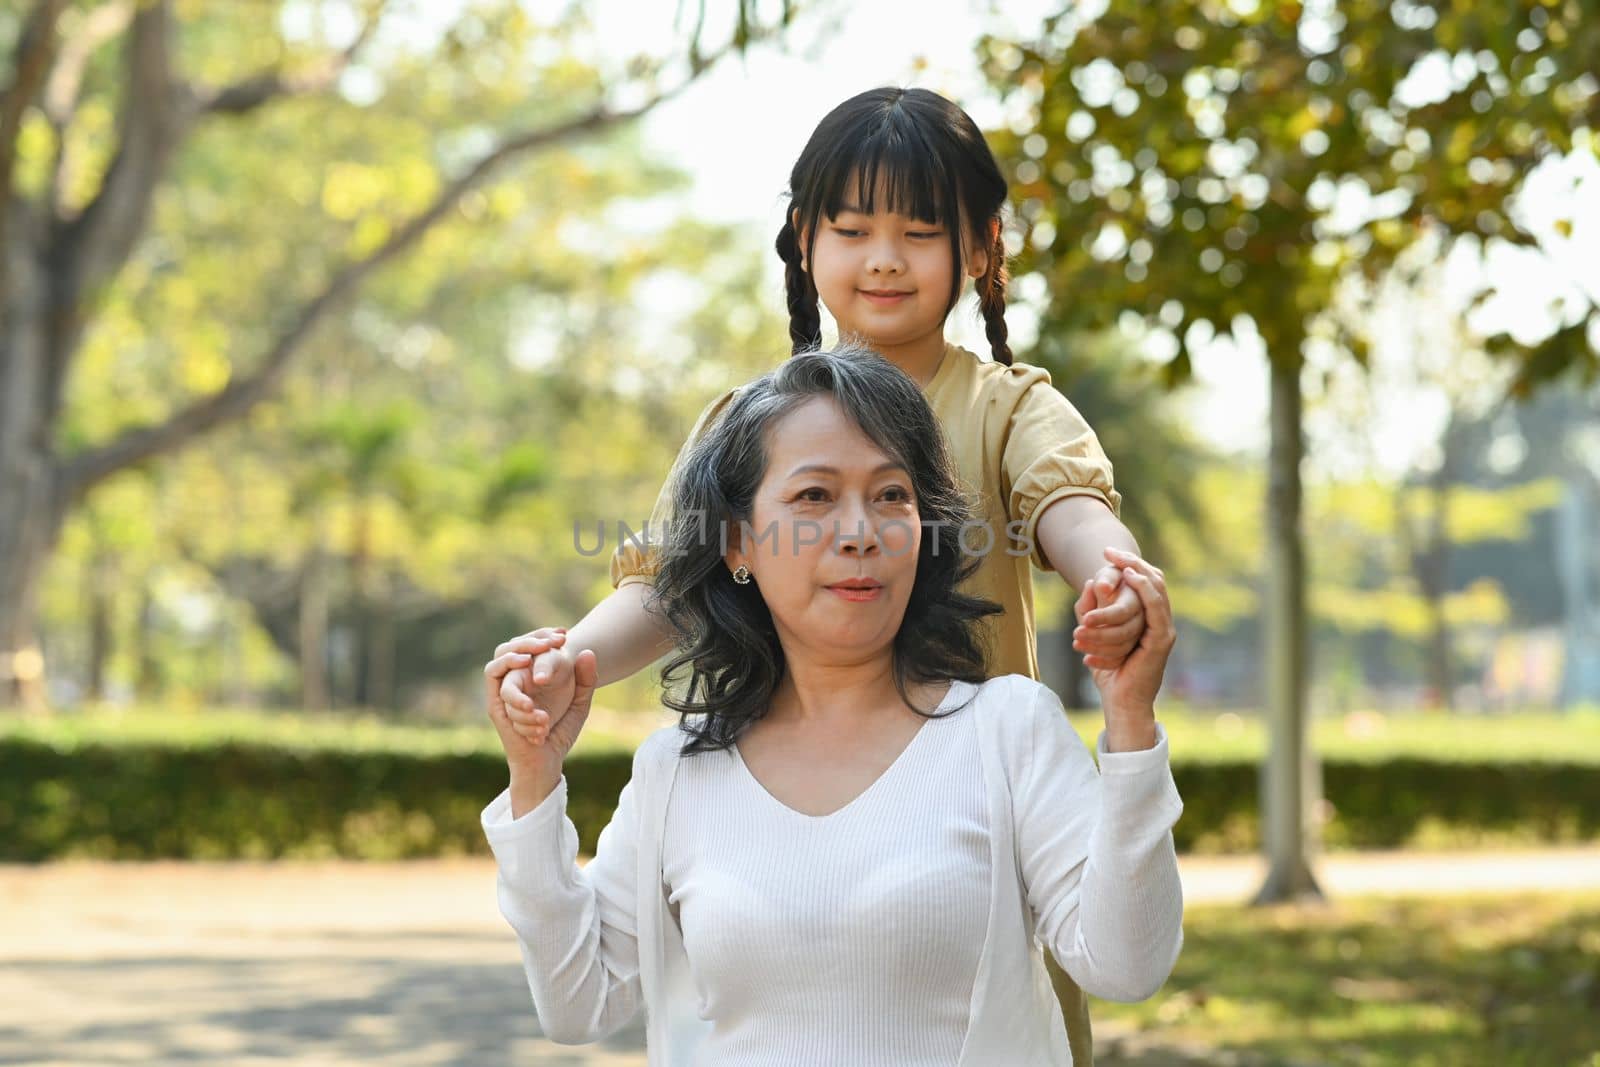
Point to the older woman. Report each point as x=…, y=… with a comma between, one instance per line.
x=852, y=847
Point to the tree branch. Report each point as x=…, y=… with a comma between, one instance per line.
x=237, y=399
x=35, y=51
x=61, y=90
x=98, y=27
x=90, y=249
x=251, y=93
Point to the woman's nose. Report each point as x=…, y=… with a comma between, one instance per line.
x=857, y=534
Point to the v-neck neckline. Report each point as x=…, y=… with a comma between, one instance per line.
x=944, y=705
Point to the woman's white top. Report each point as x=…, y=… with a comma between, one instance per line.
x=813, y=939
x=904, y=928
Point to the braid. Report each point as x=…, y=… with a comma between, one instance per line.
x=992, y=301
x=805, y=321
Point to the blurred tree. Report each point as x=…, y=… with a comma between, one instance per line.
x=100, y=160
x=1157, y=462
x=1227, y=165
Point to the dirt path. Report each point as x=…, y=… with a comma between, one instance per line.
x=407, y=964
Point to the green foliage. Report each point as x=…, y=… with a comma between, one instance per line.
x=236, y=800
x=1190, y=162
x=1464, y=982
x=1158, y=461
x=427, y=454
x=234, y=785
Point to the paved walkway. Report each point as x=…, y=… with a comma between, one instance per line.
x=410, y=964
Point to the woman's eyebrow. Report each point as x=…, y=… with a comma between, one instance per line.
x=822, y=468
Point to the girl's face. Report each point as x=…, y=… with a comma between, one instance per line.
x=885, y=276
x=832, y=508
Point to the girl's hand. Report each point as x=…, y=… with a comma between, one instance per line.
x=537, y=694
x=1128, y=691
x=534, y=746
x=1111, y=619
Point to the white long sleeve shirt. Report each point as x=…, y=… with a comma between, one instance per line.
x=903, y=928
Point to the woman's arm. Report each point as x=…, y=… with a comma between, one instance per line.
x=1098, y=862
x=1096, y=847
x=577, y=928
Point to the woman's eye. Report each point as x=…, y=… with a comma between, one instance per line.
x=813, y=495
x=897, y=494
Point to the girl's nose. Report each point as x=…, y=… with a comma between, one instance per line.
x=885, y=259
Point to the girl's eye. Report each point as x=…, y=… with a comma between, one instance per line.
x=842, y=232
x=925, y=233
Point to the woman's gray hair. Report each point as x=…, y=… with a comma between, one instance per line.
x=725, y=635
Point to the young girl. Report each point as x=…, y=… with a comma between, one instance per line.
x=896, y=202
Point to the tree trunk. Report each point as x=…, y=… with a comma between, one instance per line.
x=1435, y=574
x=380, y=655
x=1284, y=779
x=147, y=672
x=30, y=504
x=314, y=632
x=27, y=537
x=101, y=574
x=361, y=580
x=30, y=521
x=1428, y=554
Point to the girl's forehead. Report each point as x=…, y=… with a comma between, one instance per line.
x=885, y=190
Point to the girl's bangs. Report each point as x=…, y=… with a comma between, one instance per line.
x=893, y=170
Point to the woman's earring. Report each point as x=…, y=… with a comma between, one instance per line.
x=742, y=575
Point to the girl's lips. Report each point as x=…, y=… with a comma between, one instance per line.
x=884, y=297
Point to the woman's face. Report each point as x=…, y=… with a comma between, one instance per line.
x=831, y=512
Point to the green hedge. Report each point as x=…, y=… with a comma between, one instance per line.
x=255, y=801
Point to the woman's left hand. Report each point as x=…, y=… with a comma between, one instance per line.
x=1128, y=691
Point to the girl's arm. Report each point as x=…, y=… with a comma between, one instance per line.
x=1073, y=533
x=1058, y=482
x=625, y=637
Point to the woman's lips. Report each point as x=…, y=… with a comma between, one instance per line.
x=857, y=593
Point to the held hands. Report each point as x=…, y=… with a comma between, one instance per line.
x=547, y=680
x=537, y=733
x=1111, y=617
x=1128, y=690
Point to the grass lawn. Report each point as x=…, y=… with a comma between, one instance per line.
x=1378, y=983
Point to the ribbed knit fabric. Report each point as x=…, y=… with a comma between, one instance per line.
x=850, y=938
x=847, y=938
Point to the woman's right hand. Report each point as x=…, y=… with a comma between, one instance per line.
x=537, y=740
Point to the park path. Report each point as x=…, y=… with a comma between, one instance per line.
x=338, y=964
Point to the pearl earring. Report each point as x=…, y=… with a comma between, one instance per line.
x=742, y=575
